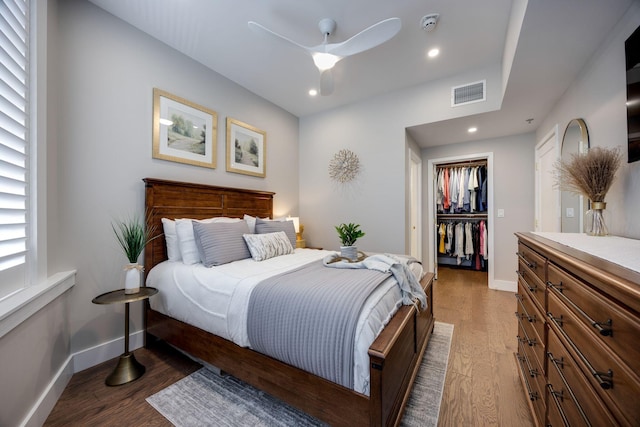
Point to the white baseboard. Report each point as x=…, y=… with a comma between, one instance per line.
x=504, y=285
x=75, y=363
x=102, y=352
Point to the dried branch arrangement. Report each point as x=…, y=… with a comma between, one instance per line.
x=589, y=174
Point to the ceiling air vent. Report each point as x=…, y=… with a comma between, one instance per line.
x=469, y=93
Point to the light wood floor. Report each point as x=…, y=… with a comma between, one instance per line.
x=482, y=386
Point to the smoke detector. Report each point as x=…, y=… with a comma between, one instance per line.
x=429, y=22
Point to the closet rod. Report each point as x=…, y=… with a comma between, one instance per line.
x=462, y=164
x=466, y=216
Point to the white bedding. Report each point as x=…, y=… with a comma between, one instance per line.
x=216, y=299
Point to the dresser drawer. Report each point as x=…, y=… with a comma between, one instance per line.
x=615, y=383
x=614, y=326
x=534, y=382
x=529, y=312
x=532, y=283
x=533, y=261
x=555, y=416
x=569, y=390
x=533, y=346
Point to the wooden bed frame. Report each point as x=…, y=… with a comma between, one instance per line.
x=395, y=355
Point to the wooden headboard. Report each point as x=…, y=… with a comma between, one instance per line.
x=173, y=199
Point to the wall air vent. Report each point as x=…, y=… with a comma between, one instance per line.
x=469, y=93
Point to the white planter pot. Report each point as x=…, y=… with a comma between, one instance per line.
x=132, y=274
x=350, y=252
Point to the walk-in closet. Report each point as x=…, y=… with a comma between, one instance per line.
x=461, y=222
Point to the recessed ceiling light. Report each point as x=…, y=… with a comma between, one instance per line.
x=433, y=52
x=472, y=129
x=313, y=92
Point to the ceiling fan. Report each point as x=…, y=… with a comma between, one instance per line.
x=326, y=55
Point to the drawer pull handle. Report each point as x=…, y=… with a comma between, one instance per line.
x=529, y=264
x=526, y=314
x=606, y=331
x=559, y=364
x=533, y=395
x=605, y=379
x=533, y=288
x=533, y=372
x=554, y=395
x=530, y=342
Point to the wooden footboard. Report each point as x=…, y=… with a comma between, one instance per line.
x=395, y=358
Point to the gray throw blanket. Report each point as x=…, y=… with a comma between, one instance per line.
x=307, y=318
x=397, y=265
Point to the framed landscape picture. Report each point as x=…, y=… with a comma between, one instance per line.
x=246, y=149
x=183, y=131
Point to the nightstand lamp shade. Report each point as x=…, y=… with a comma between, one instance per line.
x=300, y=243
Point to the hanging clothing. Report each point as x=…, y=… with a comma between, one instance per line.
x=461, y=189
x=463, y=241
x=441, y=232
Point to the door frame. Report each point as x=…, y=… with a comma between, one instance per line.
x=432, y=261
x=415, y=205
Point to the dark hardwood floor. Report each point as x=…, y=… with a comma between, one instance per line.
x=482, y=387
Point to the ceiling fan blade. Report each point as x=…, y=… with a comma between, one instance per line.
x=326, y=83
x=284, y=41
x=368, y=38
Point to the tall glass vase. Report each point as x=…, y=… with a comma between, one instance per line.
x=596, y=220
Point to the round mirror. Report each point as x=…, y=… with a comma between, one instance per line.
x=573, y=206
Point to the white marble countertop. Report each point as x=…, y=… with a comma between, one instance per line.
x=618, y=250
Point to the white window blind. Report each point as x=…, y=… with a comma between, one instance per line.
x=14, y=143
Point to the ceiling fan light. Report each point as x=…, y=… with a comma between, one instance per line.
x=324, y=61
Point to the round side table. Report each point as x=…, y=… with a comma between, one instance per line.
x=128, y=368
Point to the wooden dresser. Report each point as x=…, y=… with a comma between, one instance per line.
x=578, y=332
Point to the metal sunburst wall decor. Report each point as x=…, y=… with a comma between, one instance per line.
x=344, y=166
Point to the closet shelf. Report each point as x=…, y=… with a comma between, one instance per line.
x=462, y=215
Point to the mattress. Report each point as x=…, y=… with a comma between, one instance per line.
x=216, y=299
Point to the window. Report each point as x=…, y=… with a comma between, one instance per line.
x=14, y=144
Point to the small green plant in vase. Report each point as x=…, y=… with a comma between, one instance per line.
x=349, y=234
x=132, y=236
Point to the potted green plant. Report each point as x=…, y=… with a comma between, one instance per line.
x=132, y=236
x=349, y=234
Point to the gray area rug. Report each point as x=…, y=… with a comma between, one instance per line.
x=205, y=398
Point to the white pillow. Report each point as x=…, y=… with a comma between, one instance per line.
x=171, y=240
x=187, y=242
x=269, y=245
x=186, y=239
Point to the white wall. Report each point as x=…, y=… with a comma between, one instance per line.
x=513, y=183
x=598, y=96
x=375, y=131
x=108, y=72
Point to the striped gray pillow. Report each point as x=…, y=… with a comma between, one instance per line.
x=263, y=227
x=269, y=245
x=221, y=242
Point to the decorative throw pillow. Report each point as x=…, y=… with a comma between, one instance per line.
x=263, y=227
x=251, y=221
x=171, y=239
x=221, y=242
x=186, y=239
x=269, y=245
